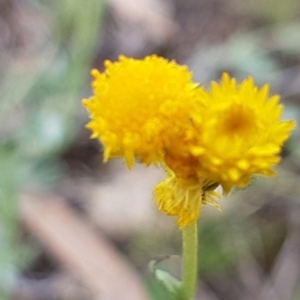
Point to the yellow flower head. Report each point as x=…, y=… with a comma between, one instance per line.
x=151, y=109
x=141, y=108
x=241, y=133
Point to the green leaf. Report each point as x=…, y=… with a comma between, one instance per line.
x=172, y=284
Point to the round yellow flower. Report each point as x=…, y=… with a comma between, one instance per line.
x=141, y=108
x=241, y=133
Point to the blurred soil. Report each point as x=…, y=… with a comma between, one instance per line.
x=108, y=198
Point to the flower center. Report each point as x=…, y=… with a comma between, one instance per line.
x=238, y=120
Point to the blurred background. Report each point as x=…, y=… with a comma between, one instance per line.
x=73, y=228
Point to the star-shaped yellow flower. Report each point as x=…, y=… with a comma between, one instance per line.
x=241, y=133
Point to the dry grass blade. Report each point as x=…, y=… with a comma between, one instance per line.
x=90, y=257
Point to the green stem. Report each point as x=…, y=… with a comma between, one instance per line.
x=190, y=265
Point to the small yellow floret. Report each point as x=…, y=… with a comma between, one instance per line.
x=140, y=108
x=183, y=197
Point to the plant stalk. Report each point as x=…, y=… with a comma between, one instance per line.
x=190, y=264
